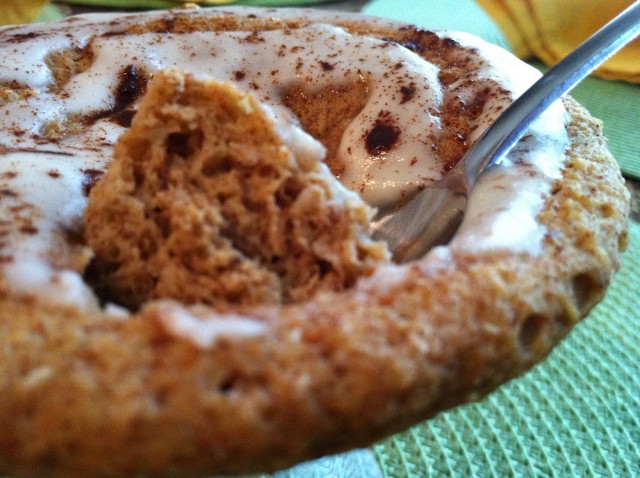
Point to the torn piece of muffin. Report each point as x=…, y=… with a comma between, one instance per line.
x=204, y=202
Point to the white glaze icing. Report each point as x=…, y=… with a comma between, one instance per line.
x=315, y=57
x=503, y=206
x=202, y=326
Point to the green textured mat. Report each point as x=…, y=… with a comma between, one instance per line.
x=617, y=104
x=575, y=415
x=460, y=15
x=49, y=13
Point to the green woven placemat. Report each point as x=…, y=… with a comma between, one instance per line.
x=575, y=415
x=617, y=104
x=49, y=13
x=459, y=15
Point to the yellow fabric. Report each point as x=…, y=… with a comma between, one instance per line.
x=20, y=11
x=550, y=29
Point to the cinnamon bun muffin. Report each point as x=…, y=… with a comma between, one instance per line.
x=186, y=290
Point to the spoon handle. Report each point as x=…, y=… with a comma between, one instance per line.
x=497, y=140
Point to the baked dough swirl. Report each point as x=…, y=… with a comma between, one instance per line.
x=169, y=388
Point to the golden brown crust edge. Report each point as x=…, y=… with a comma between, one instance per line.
x=81, y=394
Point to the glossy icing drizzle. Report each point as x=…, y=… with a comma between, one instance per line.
x=386, y=149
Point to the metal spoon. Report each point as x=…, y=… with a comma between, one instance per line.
x=434, y=214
